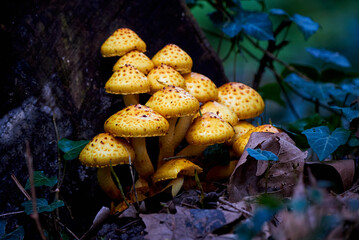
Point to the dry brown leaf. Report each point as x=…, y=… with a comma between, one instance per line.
x=186, y=223
x=328, y=169
x=248, y=176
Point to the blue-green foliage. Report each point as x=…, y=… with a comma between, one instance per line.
x=323, y=142
x=42, y=205
x=17, y=234
x=40, y=179
x=262, y=155
x=71, y=148
x=305, y=24
x=329, y=56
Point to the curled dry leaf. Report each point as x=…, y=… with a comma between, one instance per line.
x=248, y=178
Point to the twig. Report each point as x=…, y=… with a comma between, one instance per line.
x=21, y=188
x=119, y=185
x=66, y=228
x=221, y=200
x=132, y=176
x=11, y=213
x=199, y=185
x=269, y=54
x=60, y=175
x=35, y=214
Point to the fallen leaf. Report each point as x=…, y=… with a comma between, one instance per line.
x=248, y=178
x=186, y=223
x=339, y=172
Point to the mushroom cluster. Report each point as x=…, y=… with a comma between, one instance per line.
x=186, y=111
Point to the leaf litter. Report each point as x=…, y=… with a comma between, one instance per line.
x=295, y=206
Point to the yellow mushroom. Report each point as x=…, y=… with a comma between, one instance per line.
x=206, y=130
x=172, y=55
x=136, y=59
x=102, y=150
x=137, y=122
x=122, y=41
x=242, y=99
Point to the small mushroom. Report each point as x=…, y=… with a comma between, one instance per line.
x=163, y=76
x=221, y=110
x=240, y=144
x=129, y=82
x=137, y=122
x=240, y=129
x=122, y=41
x=201, y=87
x=206, y=130
x=103, y=150
x=172, y=103
x=221, y=172
x=172, y=55
x=136, y=59
x=242, y=99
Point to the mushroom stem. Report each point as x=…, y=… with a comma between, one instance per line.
x=142, y=163
x=166, y=143
x=192, y=150
x=107, y=184
x=131, y=99
x=181, y=129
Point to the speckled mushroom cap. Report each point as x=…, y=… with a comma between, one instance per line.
x=122, y=41
x=127, y=80
x=137, y=121
x=172, y=102
x=105, y=148
x=171, y=169
x=175, y=57
x=240, y=144
x=163, y=76
x=240, y=129
x=221, y=110
x=201, y=87
x=136, y=59
x=243, y=100
x=209, y=129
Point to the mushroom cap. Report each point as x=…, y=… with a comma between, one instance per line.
x=221, y=110
x=175, y=57
x=105, y=148
x=122, y=41
x=173, y=102
x=240, y=129
x=209, y=129
x=171, y=169
x=240, y=144
x=242, y=99
x=163, y=76
x=127, y=80
x=221, y=172
x=137, y=121
x=201, y=87
x=136, y=59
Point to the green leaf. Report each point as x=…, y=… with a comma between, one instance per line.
x=71, y=148
x=42, y=205
x=271, y=91
x=305, y=24
x=278, y=11
x=302, y=124
x=353, y=141
x=349, y=113
x=41, y=180
x=262, y=155
x=255, y=24
x=320, y=91
x=325, y=143
x=329, y=57
x=18, y=234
